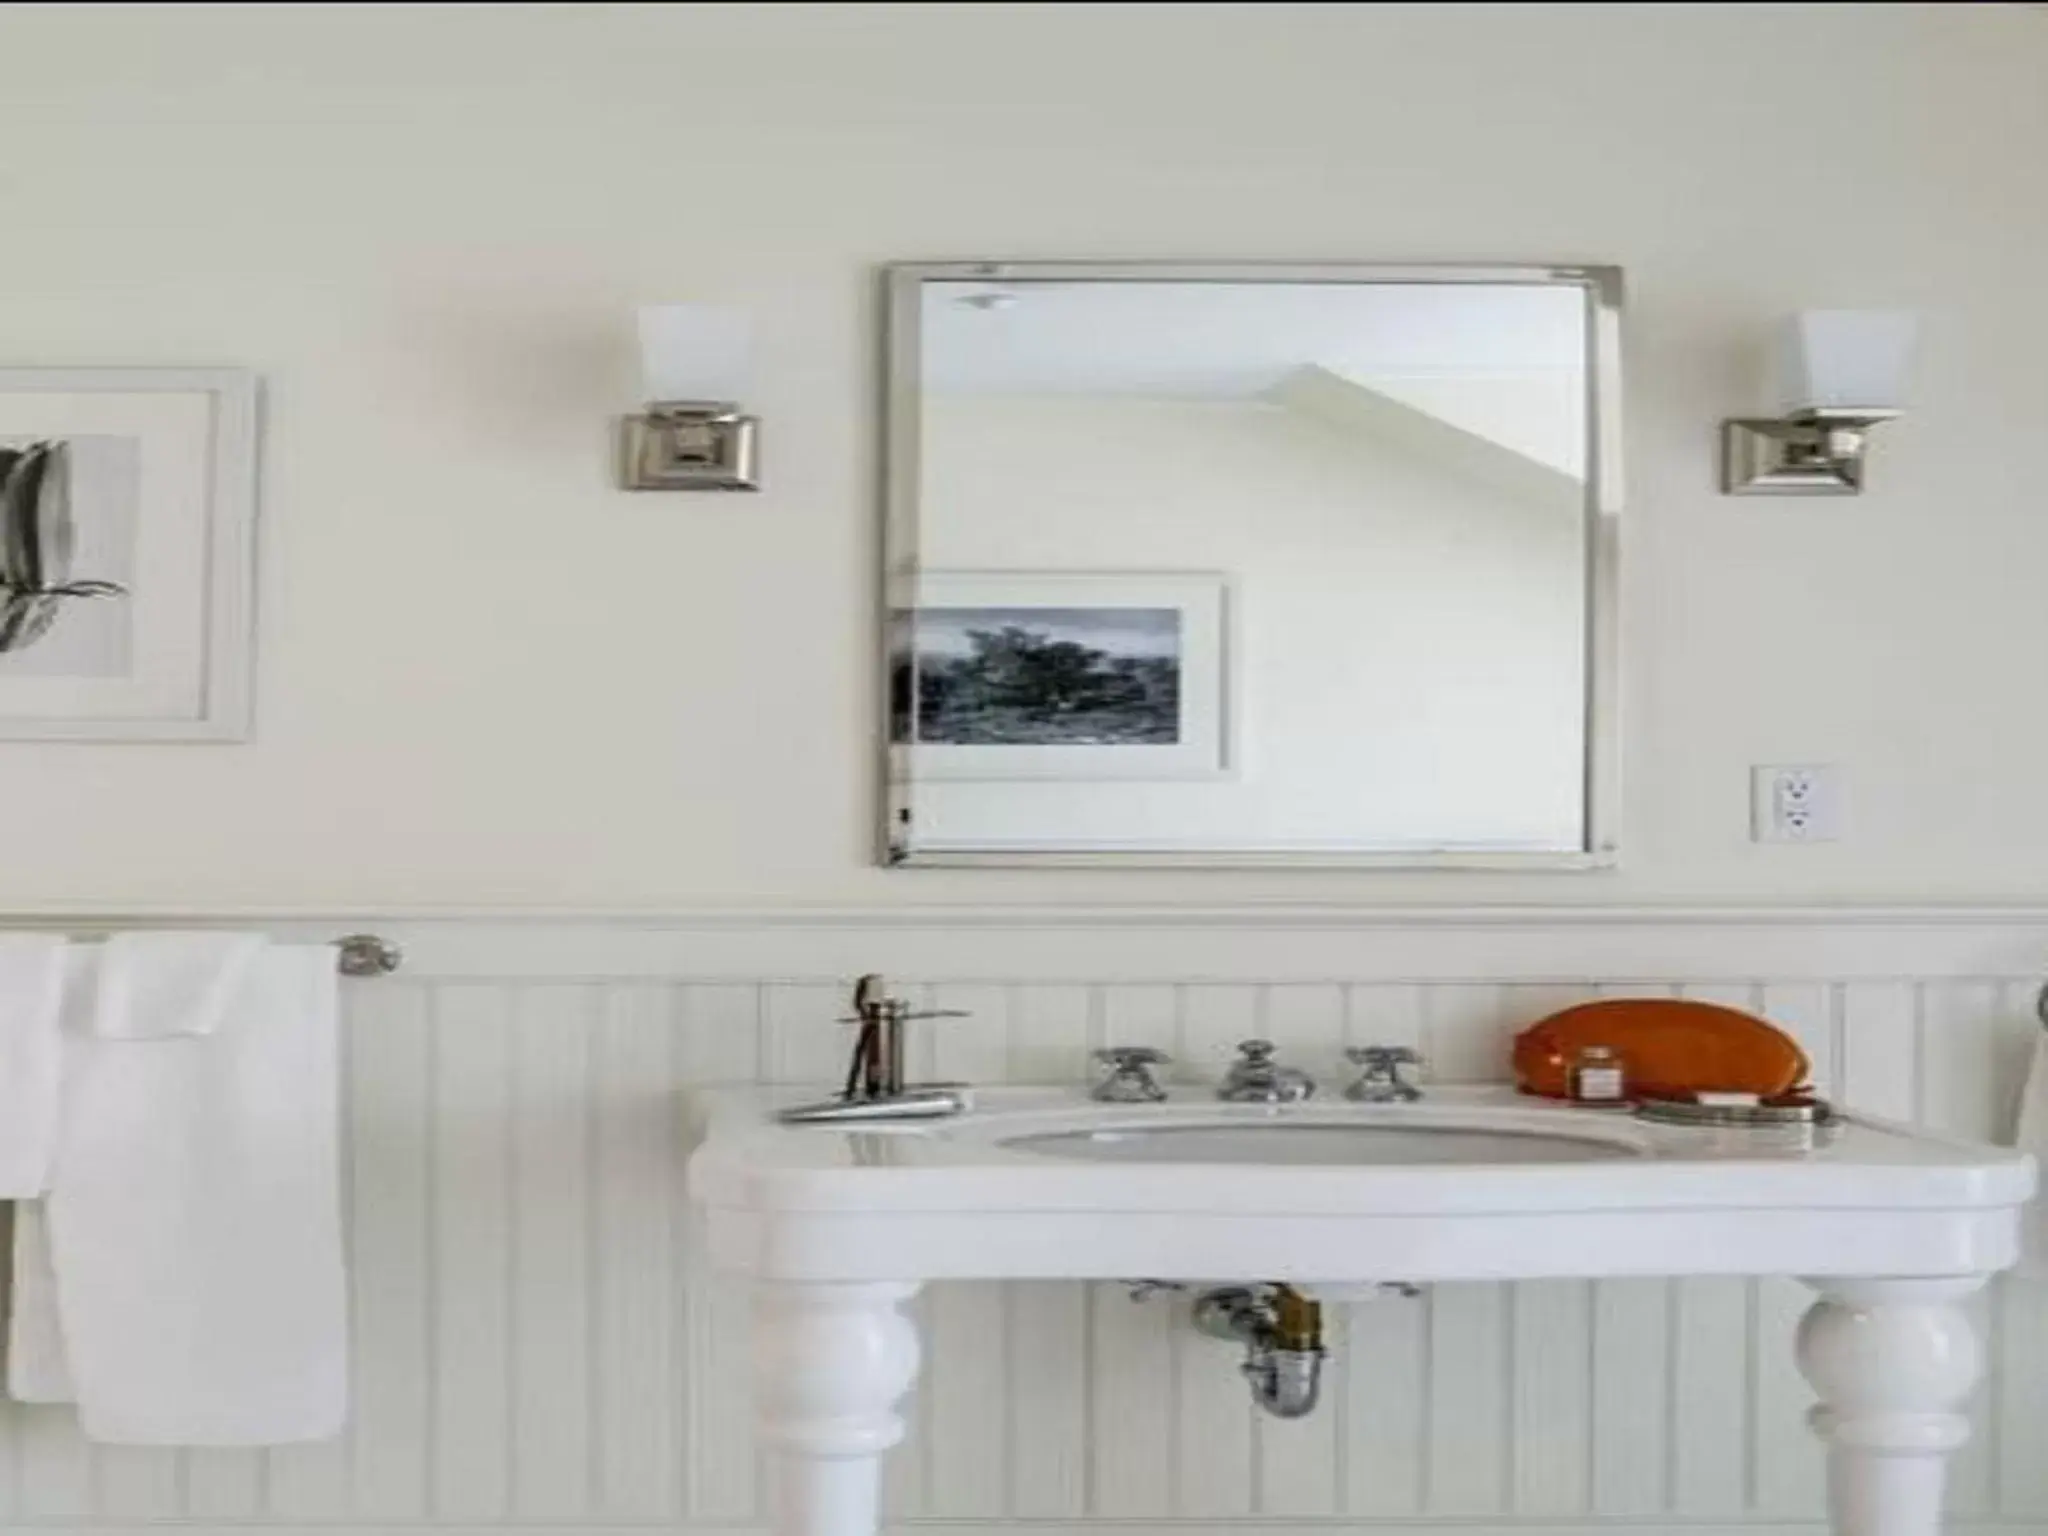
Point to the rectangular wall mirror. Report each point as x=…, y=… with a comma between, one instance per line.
x=1251, y=565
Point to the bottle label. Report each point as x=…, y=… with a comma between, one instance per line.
x=1598, y=1083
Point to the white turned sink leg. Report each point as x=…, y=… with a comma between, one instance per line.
x=831, y=1362
x=1893, y=1362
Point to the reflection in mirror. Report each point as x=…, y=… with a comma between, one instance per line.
x=1219, y=566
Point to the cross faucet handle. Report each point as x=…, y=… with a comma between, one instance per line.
x=1384, y=1055
x=1130, y=1079
x=1382, y=1082
x=1132, y=1055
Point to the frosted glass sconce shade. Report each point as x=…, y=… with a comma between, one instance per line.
x=1845, y=359
x=1840, y=373
x=692, y=436
x=694, y=352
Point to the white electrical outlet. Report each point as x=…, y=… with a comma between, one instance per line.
x=1795, y=803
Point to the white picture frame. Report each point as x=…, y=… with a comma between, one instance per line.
x=1198, y=639
x=157, y=500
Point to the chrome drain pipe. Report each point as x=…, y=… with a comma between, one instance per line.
x=1282, y=1332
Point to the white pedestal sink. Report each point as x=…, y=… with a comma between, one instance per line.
x=838, y=1225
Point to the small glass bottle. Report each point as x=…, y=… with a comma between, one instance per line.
x=1598, y=1077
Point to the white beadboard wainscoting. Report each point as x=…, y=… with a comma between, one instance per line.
x=538, y=1344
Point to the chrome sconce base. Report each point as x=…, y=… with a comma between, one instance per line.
x=690, y=445
x=1812, y=453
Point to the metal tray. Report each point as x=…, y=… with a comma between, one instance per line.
x=1685, y=1112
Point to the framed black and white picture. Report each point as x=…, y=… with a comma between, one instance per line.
x=1064, y=675
x=127, y=511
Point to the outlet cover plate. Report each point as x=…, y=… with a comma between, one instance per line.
x=1795, y=803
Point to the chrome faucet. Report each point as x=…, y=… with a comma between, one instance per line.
x=1256, y=1078
x=875, y=1088
x=1381, y=1082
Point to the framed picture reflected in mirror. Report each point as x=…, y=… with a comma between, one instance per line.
x=1070, y=675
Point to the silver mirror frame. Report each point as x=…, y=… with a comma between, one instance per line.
x=903, y=284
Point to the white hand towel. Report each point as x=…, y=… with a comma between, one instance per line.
x=194, y=1222
x=31, y=1061
x=37, y=1371
x=2031, y=1135
x=157, y=984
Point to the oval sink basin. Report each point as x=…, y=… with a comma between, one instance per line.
x=1308, y=1145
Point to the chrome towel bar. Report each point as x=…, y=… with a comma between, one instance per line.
x=356, y=954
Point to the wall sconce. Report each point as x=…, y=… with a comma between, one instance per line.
x=692, y=435
x=1841, y=372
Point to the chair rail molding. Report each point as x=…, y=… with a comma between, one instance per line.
x=1246, y=941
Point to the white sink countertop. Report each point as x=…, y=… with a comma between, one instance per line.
x=1611, y=1194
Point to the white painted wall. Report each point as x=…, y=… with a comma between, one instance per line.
x=487, y=678
x=1407, y=635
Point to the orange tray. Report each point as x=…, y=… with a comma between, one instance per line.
x=1670, y=1049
